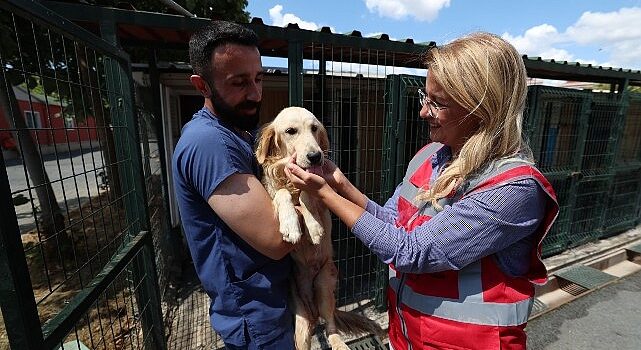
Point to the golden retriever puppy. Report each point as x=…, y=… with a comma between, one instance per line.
x=296, y=130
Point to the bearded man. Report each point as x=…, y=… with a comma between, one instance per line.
x=227, y=215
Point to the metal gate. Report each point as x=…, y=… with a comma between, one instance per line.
x=573, y=135
x=405, y=134
x=76, y=257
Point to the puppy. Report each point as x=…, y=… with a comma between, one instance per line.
x=296, y=130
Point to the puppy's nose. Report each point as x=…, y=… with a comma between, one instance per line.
x=314, y=157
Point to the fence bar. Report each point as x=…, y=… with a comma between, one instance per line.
x=390, y=138
x=295, y=73
x=16, y=292
x=127, y=136
x=35, y=11
x=58, y=327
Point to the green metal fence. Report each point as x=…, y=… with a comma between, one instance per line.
x=555, y=125
x=624, y=202
x=586, y=143
x=75, y=249
x=556, y=240
x=622, y=207
x=352, y=101
x=81, y=175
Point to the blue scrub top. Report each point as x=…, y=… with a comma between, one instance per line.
x=248, y=290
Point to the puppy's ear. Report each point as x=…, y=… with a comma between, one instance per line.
x=265, y=143
x=323, y=141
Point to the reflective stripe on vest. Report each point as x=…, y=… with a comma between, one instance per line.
x=420, y=158
x=470, y=308
x=409, y=191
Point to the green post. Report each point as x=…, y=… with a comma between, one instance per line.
x=613, y=144
x=390, y=137
x=126, y=134
x=531, y=119
x=388, y=173
x=295, y=72
x=401, y=130
x=17, y=300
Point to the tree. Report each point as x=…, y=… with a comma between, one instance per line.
x=230, y=10
x=51, y=220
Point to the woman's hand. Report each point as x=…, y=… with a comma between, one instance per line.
x=333, y=175
x=304, y=180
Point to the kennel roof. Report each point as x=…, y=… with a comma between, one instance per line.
x=168, y=31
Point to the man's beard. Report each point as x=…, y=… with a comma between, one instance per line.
x=232, y=116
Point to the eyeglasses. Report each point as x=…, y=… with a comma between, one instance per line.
x=432, y=107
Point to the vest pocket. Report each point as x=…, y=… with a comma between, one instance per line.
x=442, y=284
x=438, y=333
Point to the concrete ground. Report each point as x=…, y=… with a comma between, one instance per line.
x=606, y=317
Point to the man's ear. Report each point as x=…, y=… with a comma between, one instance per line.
x=201, y=85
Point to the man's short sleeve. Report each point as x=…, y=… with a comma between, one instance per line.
x=210, y=156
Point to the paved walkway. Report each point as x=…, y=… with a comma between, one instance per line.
x=608, y=318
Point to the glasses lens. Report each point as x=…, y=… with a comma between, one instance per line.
x=421, y=97
x=432, y=110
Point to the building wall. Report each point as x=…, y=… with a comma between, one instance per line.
x=51, y=129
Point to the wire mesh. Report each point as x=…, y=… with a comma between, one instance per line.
x=415, y=129
x=72, y=230
x=68, y=143
x=346, y=99
x=598, y=153
x=591, y=197
x=554, y=119
x=349, y=98
x=115, y=319
x=165, y=252
x=629, y=146
x=557, y=239
x=623, y=200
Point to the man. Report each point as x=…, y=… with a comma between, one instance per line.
x=227, y=215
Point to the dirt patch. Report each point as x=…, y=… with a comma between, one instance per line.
x=97, y=229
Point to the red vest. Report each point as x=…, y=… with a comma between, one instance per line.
x=479, y=306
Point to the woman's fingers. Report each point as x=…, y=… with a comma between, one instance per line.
x=294, y=169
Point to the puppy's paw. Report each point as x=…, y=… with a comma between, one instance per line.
x=289, y=229
x=336, y=342
x=316, y=232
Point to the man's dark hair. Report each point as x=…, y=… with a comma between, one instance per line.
x=204, y=41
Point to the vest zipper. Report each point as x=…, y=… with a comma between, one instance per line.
x=400, y=313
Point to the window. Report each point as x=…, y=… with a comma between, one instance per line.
x=33, y=119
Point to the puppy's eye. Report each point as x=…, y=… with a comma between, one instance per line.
x=314, y=128
x=291, y=131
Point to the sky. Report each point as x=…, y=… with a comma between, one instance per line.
x=599, y=32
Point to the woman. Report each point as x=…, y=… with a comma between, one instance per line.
x=462, y=233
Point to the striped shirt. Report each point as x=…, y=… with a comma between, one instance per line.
x=500, y=221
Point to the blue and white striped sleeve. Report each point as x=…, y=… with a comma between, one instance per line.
x=388, y=212
x=481, y=224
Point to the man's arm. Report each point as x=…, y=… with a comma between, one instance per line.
x=244, y=205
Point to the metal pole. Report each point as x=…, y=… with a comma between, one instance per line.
x=174, y=6
x=17, y=300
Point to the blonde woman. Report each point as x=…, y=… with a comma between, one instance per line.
x=462, y=233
